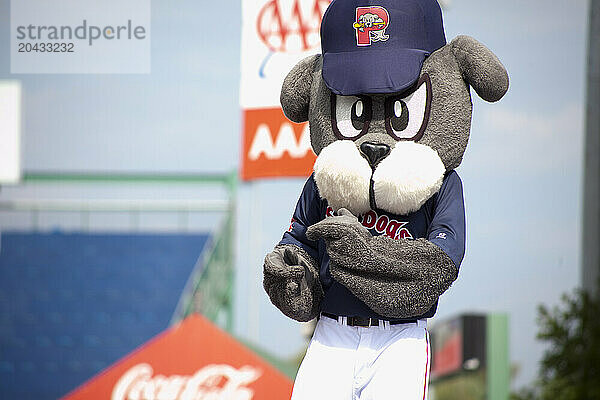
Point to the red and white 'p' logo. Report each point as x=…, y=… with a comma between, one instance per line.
x=370, y=25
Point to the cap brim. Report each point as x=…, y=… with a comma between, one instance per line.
x=372, y=71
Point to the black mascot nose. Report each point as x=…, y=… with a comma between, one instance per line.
x=374, y=152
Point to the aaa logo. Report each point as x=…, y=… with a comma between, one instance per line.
x=274, y=146
x=370, y=25
x=291, y=26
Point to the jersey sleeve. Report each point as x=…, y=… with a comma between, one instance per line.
x=447, y=229
x=308, y=212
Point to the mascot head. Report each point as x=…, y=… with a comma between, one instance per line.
x=388, y=102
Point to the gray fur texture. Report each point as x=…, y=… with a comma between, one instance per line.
x=295, y=91
x=481, y=68
x=462, y=63
x=291, y=279
x=395, y=278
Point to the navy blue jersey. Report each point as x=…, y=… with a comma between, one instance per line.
x=440, y=220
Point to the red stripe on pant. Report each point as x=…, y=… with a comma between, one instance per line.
x=426, y=365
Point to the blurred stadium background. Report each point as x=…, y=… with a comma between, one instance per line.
x=127, y=213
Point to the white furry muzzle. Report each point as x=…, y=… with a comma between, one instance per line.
x=402, y=182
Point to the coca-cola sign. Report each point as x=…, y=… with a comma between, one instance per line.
x=213, y=382
x=194, y=360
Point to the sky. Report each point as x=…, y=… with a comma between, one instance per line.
x=522, y=171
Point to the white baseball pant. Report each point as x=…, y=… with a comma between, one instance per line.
x=354, y=363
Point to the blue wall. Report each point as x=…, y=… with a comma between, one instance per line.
x=73, y=304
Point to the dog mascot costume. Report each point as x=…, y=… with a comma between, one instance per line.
x=379, y=231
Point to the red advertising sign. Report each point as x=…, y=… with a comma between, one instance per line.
x=301, y=22
x=448, y=358
x=276, y=34
x=447, y=348
x=194, y=360
x=457, y=345
x=274, y=146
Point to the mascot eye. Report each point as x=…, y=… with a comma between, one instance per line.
x=399, y=119
x=406, y=117
x=358, y=115
x=350, y=116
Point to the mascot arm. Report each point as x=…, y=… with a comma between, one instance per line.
x=291, y=270
x=398, y=278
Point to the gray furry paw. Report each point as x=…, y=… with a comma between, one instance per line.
x=291, y=279
x=395, y=278
x=343, y=235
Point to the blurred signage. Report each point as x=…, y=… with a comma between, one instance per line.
x=192, y=361
x=458, y=345
x=276, y=34
x=140, y=383
x=10, y=131
x=447, y=348
x=274, y=146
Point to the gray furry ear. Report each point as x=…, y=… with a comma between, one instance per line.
x=295, y=92
x=480, y=68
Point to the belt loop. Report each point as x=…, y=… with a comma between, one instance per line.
x=422, y=323
x=340, y=320
x=385, y=325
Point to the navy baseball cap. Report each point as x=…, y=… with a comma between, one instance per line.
x=378, y=46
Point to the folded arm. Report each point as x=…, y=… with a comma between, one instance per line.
x=398, y=278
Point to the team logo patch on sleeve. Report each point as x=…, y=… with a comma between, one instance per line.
x=370, y=25
x=291, y=228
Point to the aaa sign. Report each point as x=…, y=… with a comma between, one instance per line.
x=273, y=146
x=276, y=34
